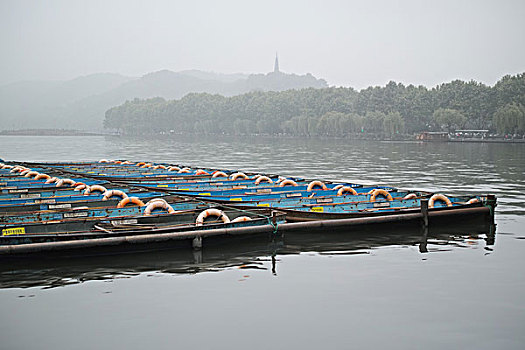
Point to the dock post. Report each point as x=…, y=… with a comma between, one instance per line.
x=491, y=203
x=197, y=243
x=273, y=217
x=424, y=211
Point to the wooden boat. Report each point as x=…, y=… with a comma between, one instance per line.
x=166, y=238
x=85, y=224
x=344, y=211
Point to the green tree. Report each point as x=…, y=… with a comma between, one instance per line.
x=393, y=123
x=449, y=118
x=510, y=119
x=393, y=108
x=373, y=122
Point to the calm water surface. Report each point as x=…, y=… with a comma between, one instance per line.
x=326, y=291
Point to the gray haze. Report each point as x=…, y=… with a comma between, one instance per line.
x=349, y=43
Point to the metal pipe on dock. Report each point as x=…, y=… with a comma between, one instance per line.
x=157, y=237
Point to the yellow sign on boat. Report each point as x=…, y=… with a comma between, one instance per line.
x=160, y=185
x=317, y=209
x=205, y=194
x=236, y=199
x=263, y=204
x=14, y=231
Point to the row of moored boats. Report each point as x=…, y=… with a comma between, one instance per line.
x=62, y=202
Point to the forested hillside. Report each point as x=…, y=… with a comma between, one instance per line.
x=81, y=103
x=394, y=109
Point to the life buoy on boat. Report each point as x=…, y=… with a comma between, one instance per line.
x=202, y=172
x=219, y=174
x=156, y=200
x=439, y=197
x=159, y=167
x=256, y=176
x=24, y=172
x=94, y=188
x=79, y=186
x=140, y=164
x=288, y=182
x=263, y=178
x=65, y=181
x=42, y=176
x=173, y=168
x=338, y=187
x=315, y=183
x=380, y=192
x=346, y=189
x=5, y=166
x=238, y=175
x=280, y=179
x=51, y=180
x=127, y=162
x=18, y=168
x=212, y=212
x=158, y=205
x=127, y=200
x=241, y=219
x=103, y=161
x=117, y=161
x=410, y=196
x=31, y=174
x=111, y=193
x=147, y=165
x=184, y=171
x=473, y=200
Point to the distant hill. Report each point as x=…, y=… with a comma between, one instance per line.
x=81, y=103
x=51, y=104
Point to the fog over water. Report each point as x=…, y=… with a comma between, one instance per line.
x=348, y=43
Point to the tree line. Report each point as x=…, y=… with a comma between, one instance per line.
x=394, y=109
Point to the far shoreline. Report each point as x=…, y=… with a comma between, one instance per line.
x=53, y=132
x=368, y=137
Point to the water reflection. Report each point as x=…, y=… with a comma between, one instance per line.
x=259, y=254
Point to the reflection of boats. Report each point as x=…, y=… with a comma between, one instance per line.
x=259, y=253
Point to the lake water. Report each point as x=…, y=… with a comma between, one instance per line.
x=311, y=292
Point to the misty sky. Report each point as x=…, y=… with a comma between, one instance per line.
x=349, y=43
